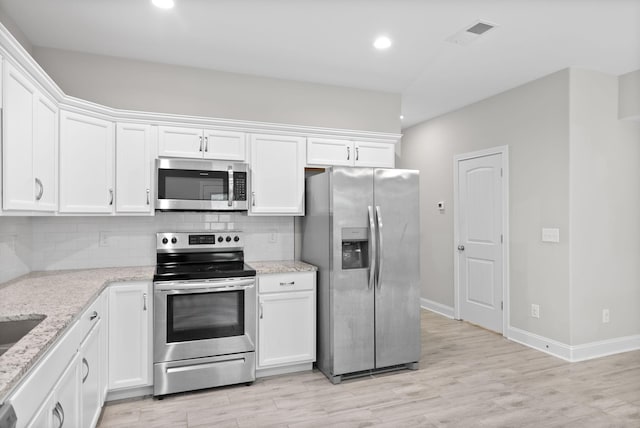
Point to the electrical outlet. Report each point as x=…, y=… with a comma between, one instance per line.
x=535, y=310
x=605, y=316
x=273, y=236
x=103, y=240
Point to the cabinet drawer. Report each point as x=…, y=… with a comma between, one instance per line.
x=278, y=283
x=90, y=317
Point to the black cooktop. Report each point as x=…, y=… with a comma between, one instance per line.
x=207, y=265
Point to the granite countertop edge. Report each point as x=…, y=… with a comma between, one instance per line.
x=281, y=266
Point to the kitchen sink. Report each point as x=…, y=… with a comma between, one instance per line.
x=14, y=330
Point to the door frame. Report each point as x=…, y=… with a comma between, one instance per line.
x=504, y=151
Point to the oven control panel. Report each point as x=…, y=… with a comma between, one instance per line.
x=224, y=239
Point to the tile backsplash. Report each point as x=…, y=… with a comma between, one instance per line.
x=51, y=243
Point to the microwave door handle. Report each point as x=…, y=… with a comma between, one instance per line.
x=230, y=192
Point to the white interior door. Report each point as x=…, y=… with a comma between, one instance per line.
x=480, y=230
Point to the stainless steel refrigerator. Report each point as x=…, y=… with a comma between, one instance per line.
x=361, y=229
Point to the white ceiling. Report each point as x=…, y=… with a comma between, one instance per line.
x=330, y=41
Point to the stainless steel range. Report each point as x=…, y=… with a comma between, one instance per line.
x=204, y=313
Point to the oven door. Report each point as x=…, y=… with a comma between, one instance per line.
x=200, y=185
x=194, y=319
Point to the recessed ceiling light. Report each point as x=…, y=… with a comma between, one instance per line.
x=163, y=4
x=401, y=117
x=382, y=42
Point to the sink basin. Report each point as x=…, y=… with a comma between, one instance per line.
x=12, y=331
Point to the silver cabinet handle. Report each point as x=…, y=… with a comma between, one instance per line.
x=348, y=153
x=144, y=301
x=460, y=247
x=261, y=311
x=148, y=201
x=40, y=189
x=283, y=284
x=86, y=363
x=373, y=248
x=253, y=199
x=58, y=411
x=357, y=153
x=200, y=149
x=206, y=144
x=110, y=196
x=380, y=246
x=93, y=316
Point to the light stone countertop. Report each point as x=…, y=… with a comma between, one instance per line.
x=281, y=266
x=59, y=296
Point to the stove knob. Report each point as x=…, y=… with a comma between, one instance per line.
x=174, y=240
x=228, y=239
x=220, y=239
x=165, y=241
x=236, y=238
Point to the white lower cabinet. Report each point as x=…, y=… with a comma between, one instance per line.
x=62, y=406
x=130, y=338
x=90, y=377
x=286, y=320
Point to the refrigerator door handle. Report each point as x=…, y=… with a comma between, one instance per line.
x=372, y=249
x=380, y=247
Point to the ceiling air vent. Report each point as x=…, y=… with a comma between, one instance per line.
x=471, y=33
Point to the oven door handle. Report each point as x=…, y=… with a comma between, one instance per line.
x=205, y=286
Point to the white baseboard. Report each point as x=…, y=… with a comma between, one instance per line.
x=124, y=394
x=541, y=343
x=292, y=368
x=436, y=307
x=575, y=353
x=603, y=348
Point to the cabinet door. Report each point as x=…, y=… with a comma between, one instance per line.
x=225, y=145
x=86, y=164
x=286, y=328
x=133, y=168
x=44, y=417
x=67, y=397
x=45, y=154
x=90, y=387
x=321, y=151
x=17, y=141
x=379, y=155
x=129, y=335
x=277, y=175
x=180, y=142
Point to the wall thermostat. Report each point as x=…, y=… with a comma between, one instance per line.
x=441, y=205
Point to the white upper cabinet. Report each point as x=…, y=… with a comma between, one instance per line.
x=324, y=151
x=277, y=174
x=182, y=142
x=29, y=136
x=86, y=164
x=134, y=159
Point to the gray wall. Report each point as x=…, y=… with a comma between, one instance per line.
x=629, y=100
x=605, y=211
x=533, y=120
x=138, y=85
x=9, y=23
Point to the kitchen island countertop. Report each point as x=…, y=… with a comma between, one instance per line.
x=281, y=266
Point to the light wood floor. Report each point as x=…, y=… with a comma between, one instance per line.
x=468, y=377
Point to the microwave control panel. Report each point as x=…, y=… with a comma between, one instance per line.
x=240, y=186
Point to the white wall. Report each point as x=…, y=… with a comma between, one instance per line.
x=533, y=120
x=138, y=85
x=15, y=247
x=605, y=211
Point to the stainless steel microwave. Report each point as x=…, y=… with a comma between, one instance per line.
x=201, y=185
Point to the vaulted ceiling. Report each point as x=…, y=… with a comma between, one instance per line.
x=330, y=41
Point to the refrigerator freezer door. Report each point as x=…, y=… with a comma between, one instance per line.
x=397, y=300
x=352, y=300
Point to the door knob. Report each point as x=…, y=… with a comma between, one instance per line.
x=460, y=247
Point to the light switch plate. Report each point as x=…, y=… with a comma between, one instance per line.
x=550, y=235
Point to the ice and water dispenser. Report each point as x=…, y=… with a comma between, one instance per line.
x=355, y=247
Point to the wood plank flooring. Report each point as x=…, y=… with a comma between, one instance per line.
x=468, y=377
